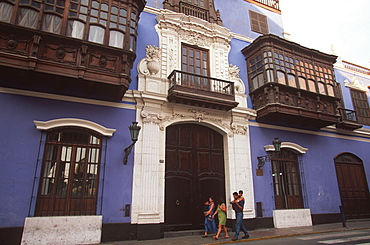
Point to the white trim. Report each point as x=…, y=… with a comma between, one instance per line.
x=63, y=122
x=289, y=145
x=352, y=72
x=365, y=136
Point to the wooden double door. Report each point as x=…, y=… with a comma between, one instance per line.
x=194, y=171
x=353, y=188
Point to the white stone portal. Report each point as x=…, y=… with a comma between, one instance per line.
x=62, y=230
x=155, y=114
x=292, y=218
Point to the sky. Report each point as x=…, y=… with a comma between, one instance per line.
x=321, y=24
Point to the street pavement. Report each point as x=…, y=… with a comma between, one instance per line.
x=195, y=238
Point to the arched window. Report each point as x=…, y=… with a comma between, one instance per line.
x=70, y=173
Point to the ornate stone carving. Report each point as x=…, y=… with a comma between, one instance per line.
x=355, y=84
x=198, y=114
x=150, y=65
x=238, y=129
x=151, y=117
x=234, y=76
x=194, y=38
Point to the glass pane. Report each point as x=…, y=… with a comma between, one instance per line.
x=96, y=34
x=281, y=77
x=321, y=88
x=302, y=83
x=114, y=10
x=83, y=9
x=5, y=11
x=270, y=76
x=115, y=40
x=27, y=17
x=291, y=80
x=75, y=29
x=95, y=4
x=311, y=85
x=330, y=90
x=104, y=7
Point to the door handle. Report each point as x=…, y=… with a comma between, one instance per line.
x=177, y=202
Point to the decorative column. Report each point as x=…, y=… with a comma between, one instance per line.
x=239, y=168
x=147, y=187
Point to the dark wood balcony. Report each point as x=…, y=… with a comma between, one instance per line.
x=203, y=91
x=193, y=10
x=282, y=105
x=348, y=120
x=46, y=62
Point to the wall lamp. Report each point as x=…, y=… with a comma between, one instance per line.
x=134, y=132
x=263, y=159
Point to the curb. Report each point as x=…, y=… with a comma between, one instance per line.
x=291, y=235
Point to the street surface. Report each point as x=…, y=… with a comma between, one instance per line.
x=357, y=237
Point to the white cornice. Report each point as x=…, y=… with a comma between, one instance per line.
x=352, y=72
x=362, y=135
x=355, y=84
x=289, y=145
x=65, y=122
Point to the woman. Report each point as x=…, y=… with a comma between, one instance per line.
x=221, y=214
x=209, y=221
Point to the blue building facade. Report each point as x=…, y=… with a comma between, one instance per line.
x=211, y=83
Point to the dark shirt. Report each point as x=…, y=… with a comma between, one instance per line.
x=236, y=208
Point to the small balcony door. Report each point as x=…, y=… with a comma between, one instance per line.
x=194, y=61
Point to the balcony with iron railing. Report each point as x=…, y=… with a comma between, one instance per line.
x=202, y=91
x=348, y=120
x=269, y=4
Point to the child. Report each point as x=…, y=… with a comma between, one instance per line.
x=241, y=197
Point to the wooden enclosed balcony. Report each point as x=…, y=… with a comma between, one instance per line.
x=203, y=91
x=279, y=104
x=348, y=120
x=292, y=85
x=72, y=47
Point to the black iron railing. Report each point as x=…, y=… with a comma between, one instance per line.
x=347, y=115
x=200, y=83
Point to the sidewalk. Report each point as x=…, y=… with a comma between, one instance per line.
x=254, y=234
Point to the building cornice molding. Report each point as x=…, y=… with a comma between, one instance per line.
x=75, y=122
x=289, y=145
x=362, y=135
x=352, y=72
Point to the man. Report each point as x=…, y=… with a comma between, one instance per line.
x=238, y=206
